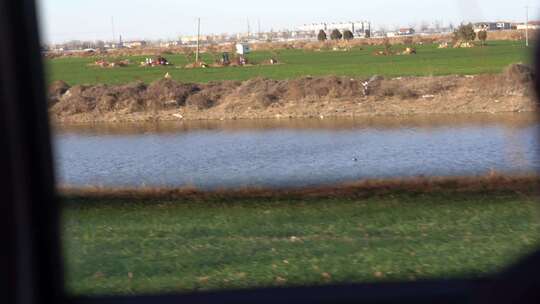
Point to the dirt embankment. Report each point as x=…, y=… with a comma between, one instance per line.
x=166, y=100
x=492, y=183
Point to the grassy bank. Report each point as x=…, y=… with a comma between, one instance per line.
x=299, y=63
x=125, y=246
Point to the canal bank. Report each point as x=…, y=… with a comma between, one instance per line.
x=308, y=97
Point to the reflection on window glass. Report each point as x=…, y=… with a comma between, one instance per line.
x=202, y=146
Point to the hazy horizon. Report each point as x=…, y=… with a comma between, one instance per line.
x=64, y=20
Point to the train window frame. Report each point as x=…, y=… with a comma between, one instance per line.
x=30, y=217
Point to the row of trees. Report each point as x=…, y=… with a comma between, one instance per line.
x=336, y=35
x=464, y=32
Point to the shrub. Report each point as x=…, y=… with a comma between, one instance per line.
x=394, y=89
x=336, y=35
x=321, y=36
x=465, y=32
x=201, y=101
x=348, y=35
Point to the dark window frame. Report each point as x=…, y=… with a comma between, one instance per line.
x=32, y=270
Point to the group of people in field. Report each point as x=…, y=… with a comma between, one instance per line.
x=159, y=60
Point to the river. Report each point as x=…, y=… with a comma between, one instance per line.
x=293, y=153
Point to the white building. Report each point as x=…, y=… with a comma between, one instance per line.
x=193, y=39
x=135, y=44
x=242, y=49
x=492, y=26
x=359, y=28
x=533, y=25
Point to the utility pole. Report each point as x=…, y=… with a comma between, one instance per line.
x=198, y=40
x=113, y=33
x=259, y=28
x=527, y=26
x=248, y=29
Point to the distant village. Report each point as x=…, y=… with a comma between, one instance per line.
x=306, y=32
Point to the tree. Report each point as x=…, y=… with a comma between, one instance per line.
x=367, y=34
x=387, y=47
x=321, y=36
x=482, y=36
x=336, y=35
x=465, y=32
x=348, y=35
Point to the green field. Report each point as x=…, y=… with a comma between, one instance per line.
x=298, y=63
x=129, y=247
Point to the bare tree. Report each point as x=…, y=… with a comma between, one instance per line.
x=424, y=26
x=482, y=36
x=437, y=24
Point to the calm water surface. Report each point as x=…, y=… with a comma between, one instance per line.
x=294, y=153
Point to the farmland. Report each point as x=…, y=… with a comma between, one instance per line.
x=360, y=62
x=151, y=245
x=132, y=246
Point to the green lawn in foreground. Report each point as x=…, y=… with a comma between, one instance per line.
x=126, y=247
x=298, y=63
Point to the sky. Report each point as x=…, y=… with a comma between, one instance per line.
x=63, y=20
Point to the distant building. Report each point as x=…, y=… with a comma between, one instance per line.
x=193, y=39
x=113, y=46
x=485, y=26
x=504, y=25
x=358, y=28
x=242, y=49
x=492, y=26
x=134, y=44
x=532, y=25
x=168, y=44
x=405, y=32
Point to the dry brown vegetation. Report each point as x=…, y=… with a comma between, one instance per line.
x=481, y=184
x=329, y=96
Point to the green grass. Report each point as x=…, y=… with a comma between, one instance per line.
x=130, y=247
x=298, y=63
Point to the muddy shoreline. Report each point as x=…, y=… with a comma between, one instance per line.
x=323, y=97
x=365, y=188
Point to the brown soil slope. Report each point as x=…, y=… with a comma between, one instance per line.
x=330, y=96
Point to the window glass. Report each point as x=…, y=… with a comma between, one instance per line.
x=213, y=146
